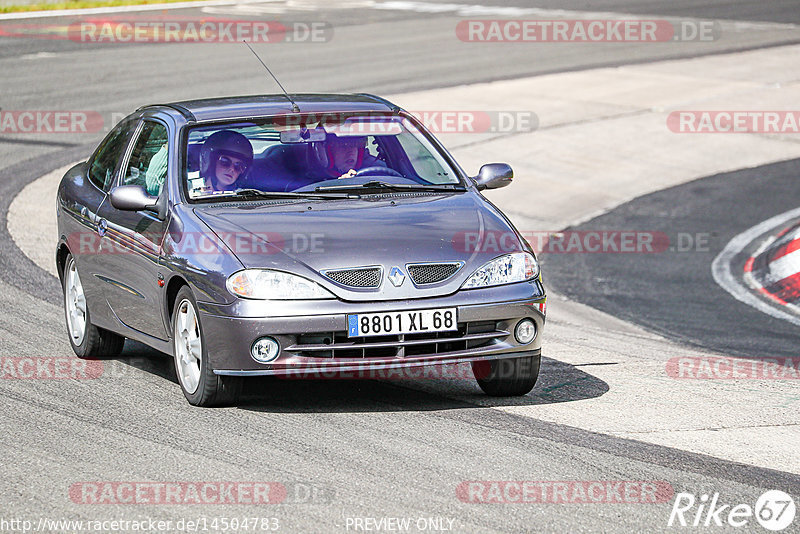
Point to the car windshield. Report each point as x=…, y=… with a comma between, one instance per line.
x=301, y=154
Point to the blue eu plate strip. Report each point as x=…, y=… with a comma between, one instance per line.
x=352, y=325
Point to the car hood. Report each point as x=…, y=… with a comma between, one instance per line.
x=308, y=238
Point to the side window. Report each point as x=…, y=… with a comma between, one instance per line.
x=148, y=163
x=101, y=172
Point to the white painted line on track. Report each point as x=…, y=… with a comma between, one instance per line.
x=721, y=266
x=122, y=9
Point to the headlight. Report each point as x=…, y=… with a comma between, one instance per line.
x=516, y=267
x=274, y=285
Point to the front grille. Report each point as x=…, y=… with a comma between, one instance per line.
x=338, y=345
x=431, y=273
x=364, y=277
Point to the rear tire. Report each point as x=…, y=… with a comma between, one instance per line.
x=87, y=340
x=200, y=385
x=509, y=377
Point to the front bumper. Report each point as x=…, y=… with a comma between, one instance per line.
x=312, y=334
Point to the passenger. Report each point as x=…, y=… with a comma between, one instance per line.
x=224, y=159
x=343, y=157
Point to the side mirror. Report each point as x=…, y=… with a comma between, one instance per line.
x=132, y=198
x=494, y=176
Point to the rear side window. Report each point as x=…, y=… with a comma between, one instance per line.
x=148, y=164
x=101, y=172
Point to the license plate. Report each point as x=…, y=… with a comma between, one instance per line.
x=401, y=322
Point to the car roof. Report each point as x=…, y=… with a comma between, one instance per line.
x=275, y=104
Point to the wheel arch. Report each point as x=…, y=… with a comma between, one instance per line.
x=61, y=260
x=173, y=287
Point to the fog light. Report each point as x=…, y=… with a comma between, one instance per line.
x=265, y=350
x=525, y=332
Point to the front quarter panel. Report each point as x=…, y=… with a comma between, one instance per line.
x=193, y=252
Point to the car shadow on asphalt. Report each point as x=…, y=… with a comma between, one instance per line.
x=447, y=388
x=558, y=382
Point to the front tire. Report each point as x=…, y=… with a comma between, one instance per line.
x=87, y=340
x=509, y=377
x=200, y=385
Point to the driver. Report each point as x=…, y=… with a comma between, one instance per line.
x=343, y=157
x=224, y=159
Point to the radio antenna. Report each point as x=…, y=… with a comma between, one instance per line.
x=295, y=108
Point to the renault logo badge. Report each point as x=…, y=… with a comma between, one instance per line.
x=396, y=277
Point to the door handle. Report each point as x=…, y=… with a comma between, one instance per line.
x=102, y=226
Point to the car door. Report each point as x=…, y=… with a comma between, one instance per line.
x=85, y=243
x=132, y=239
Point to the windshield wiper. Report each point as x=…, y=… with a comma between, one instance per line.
x=376, y=185
x=258, y=193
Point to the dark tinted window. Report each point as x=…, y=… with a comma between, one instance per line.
x=297, y=155
x=101, y=172
x=148, y=164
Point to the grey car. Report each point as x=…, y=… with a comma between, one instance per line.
x=326, y=236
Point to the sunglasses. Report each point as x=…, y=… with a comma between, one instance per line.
x=227, y=163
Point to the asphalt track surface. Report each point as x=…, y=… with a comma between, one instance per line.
x=369, y=448
x=699, y=217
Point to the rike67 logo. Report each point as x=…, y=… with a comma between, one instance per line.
x=774, y=510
